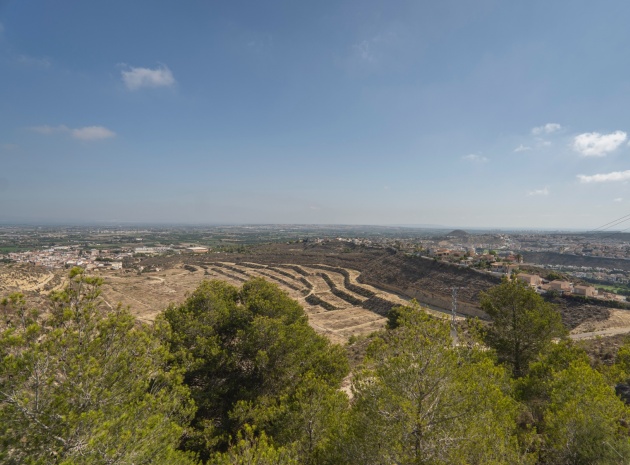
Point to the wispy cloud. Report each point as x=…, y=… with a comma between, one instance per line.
x=260, y=43
x=373, y=50
x=543, y=191
x=85, y=133
x=548, y=128
x=364, y=51
x=475, y=158
x=594, y=144
x=137, y=78
x=35, y=62
x=618, y=199
x=605, y=177
x=522, y=148
x=45, y=129
x=92, y=133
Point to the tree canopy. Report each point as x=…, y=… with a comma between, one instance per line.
x=523, y=323
x=417, y=400
x=80, y=385
x=250, y=357
x=236, y=376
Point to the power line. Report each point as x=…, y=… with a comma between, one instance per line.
x=610, y=224
x=612, y=234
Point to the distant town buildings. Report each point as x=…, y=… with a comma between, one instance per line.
x=152, y=250
x=68, y=256
x=197, y=249
x=495, y=252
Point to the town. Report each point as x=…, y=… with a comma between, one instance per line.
x=589, y=265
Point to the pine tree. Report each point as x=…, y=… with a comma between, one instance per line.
x=84, y=385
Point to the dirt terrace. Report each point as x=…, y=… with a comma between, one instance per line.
x=333, y=309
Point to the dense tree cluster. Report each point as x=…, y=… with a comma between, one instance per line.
x=237, y=376
x=524, y=324
x=251, y=358
x=81, y=387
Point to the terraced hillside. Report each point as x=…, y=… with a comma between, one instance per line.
x=428, y=281
x=336, y=303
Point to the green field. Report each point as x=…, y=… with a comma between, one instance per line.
x=12, y=249
x=617, y=289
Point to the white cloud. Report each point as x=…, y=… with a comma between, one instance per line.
x=543, y=191
x=522, y=148
x=475, y=158
x=84, y=133
x=548, y=128
x=607, y=177
x=136, y=78
x=618, y=199
x=92, y=133
x=594, y=144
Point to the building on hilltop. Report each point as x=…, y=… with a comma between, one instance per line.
x=561, y=286
x=503, y=268
x=586, y=291
x=440, y=253
x=531, y=279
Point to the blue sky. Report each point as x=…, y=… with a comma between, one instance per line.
x=458, y=113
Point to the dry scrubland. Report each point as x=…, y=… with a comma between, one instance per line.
x=337, y=315
x=34, y=282
x=333, y=309
x=346, y=290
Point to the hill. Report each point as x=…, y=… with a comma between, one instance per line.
x=458, y=233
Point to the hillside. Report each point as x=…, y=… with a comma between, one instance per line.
x=554, y=258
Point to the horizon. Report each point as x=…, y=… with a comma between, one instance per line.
x=131, y=224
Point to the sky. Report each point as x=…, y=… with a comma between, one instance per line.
x=455, y=113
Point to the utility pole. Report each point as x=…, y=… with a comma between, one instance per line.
x=454, y=304
x=454, y=290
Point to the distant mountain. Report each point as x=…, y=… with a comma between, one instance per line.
x=458, y=233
